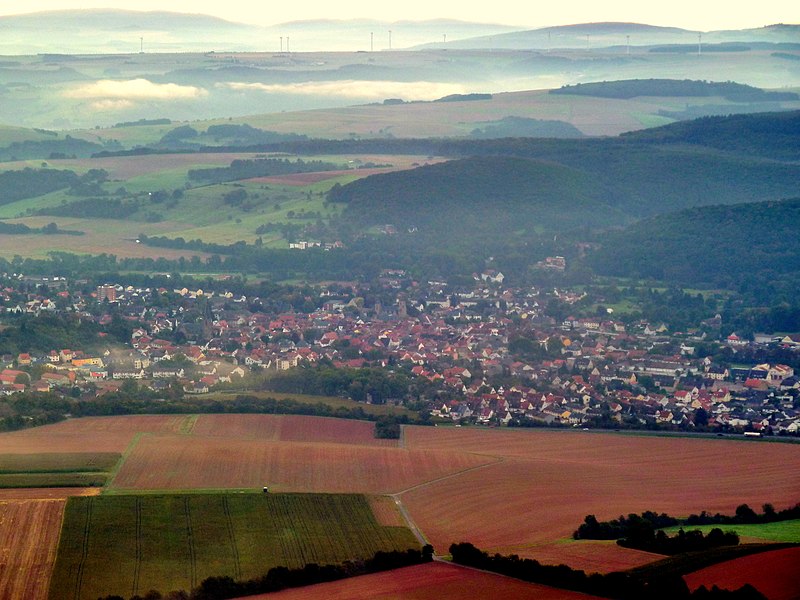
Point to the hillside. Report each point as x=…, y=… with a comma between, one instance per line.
x=637, y=175
x=706, y=247
x=478, y=197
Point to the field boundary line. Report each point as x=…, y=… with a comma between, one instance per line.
x=112, y=474
x=237, y=565
x=190, y=539
x=497, y=461
x=137, y=565
x=84, y=550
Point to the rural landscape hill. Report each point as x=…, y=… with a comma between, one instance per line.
x=317, y=302
x=621, y=35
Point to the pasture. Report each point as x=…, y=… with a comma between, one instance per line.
x=131, y=544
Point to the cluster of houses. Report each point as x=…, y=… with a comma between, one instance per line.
x=492, y=354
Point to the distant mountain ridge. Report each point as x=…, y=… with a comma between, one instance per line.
x=610, y=34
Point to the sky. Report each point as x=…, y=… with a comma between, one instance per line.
x=689, y=14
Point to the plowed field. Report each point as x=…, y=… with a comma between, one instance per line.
x=432, y=581
x=162, y=462
x=96, y=434
x=28, y=538
x=289, y=428
x=550, y=480
x=774, y=574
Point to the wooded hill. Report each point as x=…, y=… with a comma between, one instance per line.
x=746, y=246
x=519, y=184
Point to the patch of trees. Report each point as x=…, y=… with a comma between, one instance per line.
x=66, y=148
x=247, y=134
x=363, y=385
x=30, y=183
x=464, y=97
x=525, y=127
x=618, y=585
x=281, y=578
x=184, y=132
x=142, y=122
x=93, y=208
x=632, y=88
x=592, y=529
x=746, y=515
x=259, y=167
x=22, y=229
x=659, y=542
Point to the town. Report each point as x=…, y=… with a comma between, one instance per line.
x=485, y=354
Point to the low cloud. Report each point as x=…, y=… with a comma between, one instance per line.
x=371, y=90
x=135, y=89
x=111, y=104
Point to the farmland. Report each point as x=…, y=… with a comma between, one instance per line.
x=550, y=480
x=509, y=491
x=432, y=581
x=773, y=573
x=779, y=531
x=160, y=462
x=55, y=470
x=28, y=537
x=131, y=544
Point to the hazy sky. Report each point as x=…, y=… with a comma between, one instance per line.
x=690, y=14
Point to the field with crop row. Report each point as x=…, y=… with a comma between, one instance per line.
x=28, y=537
x=131, y=544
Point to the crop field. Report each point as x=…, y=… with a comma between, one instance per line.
x=88, y=435
x=28, y=538
x=431, y=581
x=780, y=531
x=772, y=573
x=184, y=462
x=131, y=544
x=548, y=481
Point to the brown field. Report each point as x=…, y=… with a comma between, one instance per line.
x=46, y=493
x=549, y=480
x=95, y=434
x=774, y=574
x=162, y=462
x=290, y=428
x=431, y=581
x=29, y=531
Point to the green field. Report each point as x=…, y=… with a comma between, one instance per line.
x=82, y=469
x=131, y=544
x=780, y=531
